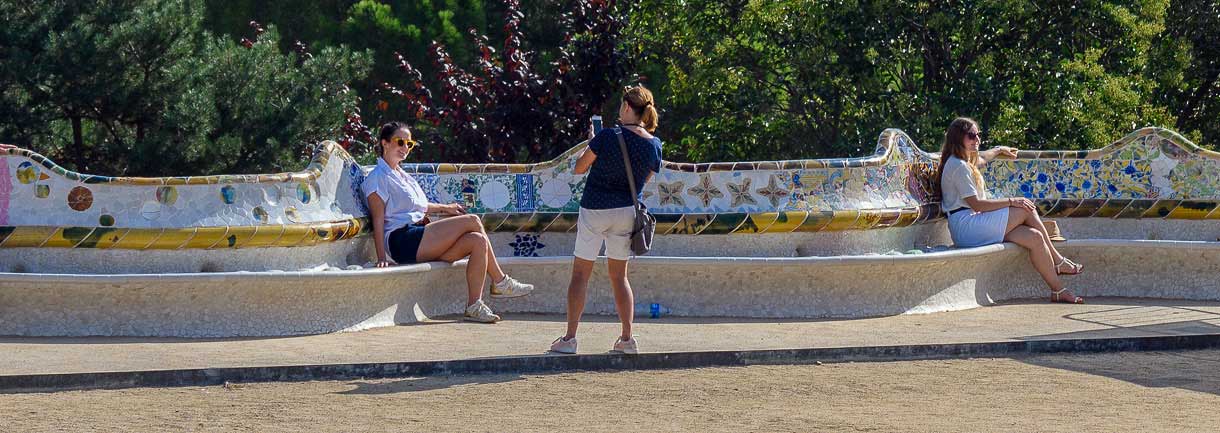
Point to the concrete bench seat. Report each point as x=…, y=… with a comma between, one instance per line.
x=229, y=304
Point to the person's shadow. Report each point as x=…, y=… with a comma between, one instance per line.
x=427, y=383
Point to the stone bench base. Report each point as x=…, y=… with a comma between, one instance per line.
x=231, y=304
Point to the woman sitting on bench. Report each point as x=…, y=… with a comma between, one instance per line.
x=975, y=220
x=398, y=209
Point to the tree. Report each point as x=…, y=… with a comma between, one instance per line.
x=791, y=78
x=1185, y=62
x=507, y=109
x=137, y=87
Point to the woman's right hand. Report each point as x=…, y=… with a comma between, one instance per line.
x=383, y=263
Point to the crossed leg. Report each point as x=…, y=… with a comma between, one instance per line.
x=1018, y=217
x=1025, y=228
x=455, y=238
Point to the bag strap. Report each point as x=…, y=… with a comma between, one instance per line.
x=622, y=145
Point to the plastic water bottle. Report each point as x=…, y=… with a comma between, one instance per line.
x=652, y=310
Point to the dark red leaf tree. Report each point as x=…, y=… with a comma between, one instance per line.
x=504, y=108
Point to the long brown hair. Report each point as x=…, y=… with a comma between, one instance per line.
x=955, y=145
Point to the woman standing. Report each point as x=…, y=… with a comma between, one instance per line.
x=398, y=209
x=607, y=211
x=975, y=220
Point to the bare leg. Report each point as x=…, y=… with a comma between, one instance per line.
x=474, y=245
x=578, y=290
x=493, y=266
x=1039, y=256
x=624, y=300
x=441, y=235
x=1020, y=217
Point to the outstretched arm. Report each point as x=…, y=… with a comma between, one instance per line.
x=997, y=152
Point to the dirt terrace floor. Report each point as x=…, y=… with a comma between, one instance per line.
x=1146, y=392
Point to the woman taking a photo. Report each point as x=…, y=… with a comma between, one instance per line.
x=607, y=211
x=975, y=220
x=398, y=209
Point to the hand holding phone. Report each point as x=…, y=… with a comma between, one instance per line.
x=596, y=122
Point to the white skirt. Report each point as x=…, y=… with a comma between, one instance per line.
x=975, y=229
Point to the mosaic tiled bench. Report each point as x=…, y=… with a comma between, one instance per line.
x=277, y=254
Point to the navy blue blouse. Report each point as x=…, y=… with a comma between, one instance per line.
x=606, y=187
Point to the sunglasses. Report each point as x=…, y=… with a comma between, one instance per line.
x=972, y=135
x=404, y=142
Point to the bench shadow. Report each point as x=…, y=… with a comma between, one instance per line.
x=427, y=383
x=1192, y=370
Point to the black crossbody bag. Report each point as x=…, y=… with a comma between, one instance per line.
x=645, y=224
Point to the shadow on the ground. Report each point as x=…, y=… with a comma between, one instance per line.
x=1192, y=370
x=1189, y=370
x=1146, y=320
x=428, y=383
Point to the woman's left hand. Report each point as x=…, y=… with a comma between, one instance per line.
x=455, y=209
x=1023, y=203
x=1005, y=152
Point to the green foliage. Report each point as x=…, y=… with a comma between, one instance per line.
x=142, y=87
x=138, y=88
x=1185, y=62
x=791, y=79
x=383, y=27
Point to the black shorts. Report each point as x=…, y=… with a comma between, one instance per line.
x=404, y=243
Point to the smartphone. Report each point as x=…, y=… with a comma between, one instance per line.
x=597, y=123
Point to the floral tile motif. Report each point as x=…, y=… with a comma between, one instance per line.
x=740, y=193
x=671, y=194
x=526, y=245
x=774, y=191
x=705, y=191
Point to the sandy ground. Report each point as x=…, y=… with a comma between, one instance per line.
x=1149, y=392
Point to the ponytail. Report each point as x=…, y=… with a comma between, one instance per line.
x=641, y=102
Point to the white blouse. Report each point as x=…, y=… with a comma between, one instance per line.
x=957, y=183
x=405, y=201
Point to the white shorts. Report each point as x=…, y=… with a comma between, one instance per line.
x=612, y=226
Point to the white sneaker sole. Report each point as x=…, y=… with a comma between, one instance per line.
x=478, y=320
x=625, y=351
x=509, y=295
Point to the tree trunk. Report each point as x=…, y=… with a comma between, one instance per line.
x=78, y=145
x=78, y=139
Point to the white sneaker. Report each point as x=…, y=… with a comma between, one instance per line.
x=564, y=346
x=480, y=312
x=627, y=346
x=510, y=288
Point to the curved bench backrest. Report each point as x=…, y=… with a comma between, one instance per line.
x=44, y=205
x=1152, y=172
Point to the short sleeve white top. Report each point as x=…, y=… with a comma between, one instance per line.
x=957, y=183
x=405, y=201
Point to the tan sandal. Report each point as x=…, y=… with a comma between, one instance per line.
x=1073, y=267
x=1057, y=296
